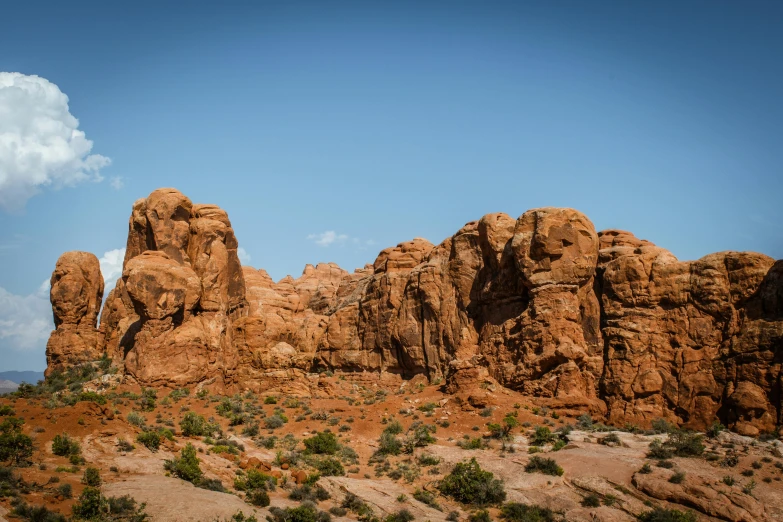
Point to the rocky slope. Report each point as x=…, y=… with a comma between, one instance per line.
x=542, y=304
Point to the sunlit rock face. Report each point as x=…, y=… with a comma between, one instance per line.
x=543, y=304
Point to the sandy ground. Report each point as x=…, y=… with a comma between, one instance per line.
x=590, y=467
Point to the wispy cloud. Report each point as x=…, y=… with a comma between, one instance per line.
x=117, y=183
x=244, y=257
x=328, y=238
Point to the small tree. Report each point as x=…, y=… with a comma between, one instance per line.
x=322, y=443
x=186, y=465
x=92, y=477
x=15, y=447
x=470, y=484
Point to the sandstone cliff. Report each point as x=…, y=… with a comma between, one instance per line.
x=542, y=304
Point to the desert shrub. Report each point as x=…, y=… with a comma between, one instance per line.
x=356, y=505
x=267, y=442
x=136, y=419
x=677, y=478
x=258, y=497
x=388, y=444
x=543, y=465
x=6, y=410
x=591, y=500
x=469, y=484
x=309, y=492
x=194, y=425
x=517, y=512
x=542, y=436
x=329, y=467
x=667, y=515
x=428, y=460
x=418, y=437
x=254, y=479
x=471, y=444
x=482, y=515
x=584, y=422
x=304, y=513
x=124, y=445
x=426, y=497
x=89, y=504
x=662, y=426
x=715, y=429
x=64, y=446
x=685, y=443
x=402, y=515
x=275, y=421
x=16, y=448
x=65, y=490
x=657, y=450
x=92, y=477
x=149, y=439
x=94, y=506
x=645, y=469
x=36, y=513
x=322, y=443
x=610, y=439
x=680, y=443
x=186, y=465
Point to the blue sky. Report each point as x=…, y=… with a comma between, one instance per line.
x=383, y=121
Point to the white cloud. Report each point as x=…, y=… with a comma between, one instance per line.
x=244, y=257
x=25, y=320
x=40, y=144
x=327, y=238
x=117, y=183
x=111, y=268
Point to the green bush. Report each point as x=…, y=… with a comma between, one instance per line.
x=149, y=439
x=307, y=512
x=6, y=410
x=322, y=443
x=92, y=477
x=329, y=467
x=543, y=465
x=89, y=505
x=542, y=436
x=402, y=515
x=469, y=484
x=667, y=515
x=471, y=444
x=591, y=500
x=388, y=444
x=426, y=497
x=94, y=506
x=274, y=421
x=680, y=443
x=194, y=425
x=186, y=465
x=254, y=479
x=482, y=515
x=677, y=478
x=16, y=448
x=258, y=497
x=64, y=446
x=36, y=513
x=517, y=512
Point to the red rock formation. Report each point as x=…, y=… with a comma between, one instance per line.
x=542, y=304
x=169, y=319
x=76, y=293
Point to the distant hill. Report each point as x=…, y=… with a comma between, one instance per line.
x=20, y=377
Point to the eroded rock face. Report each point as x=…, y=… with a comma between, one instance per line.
x=76, y=293
x=601, y=322
x=690, y=341
x=169, y=319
